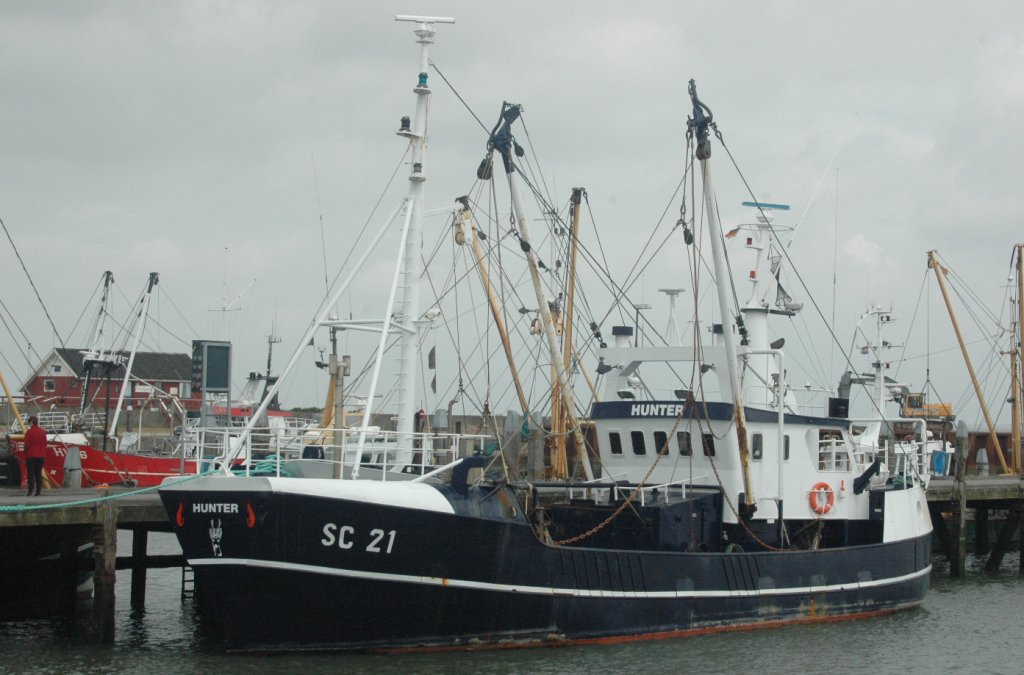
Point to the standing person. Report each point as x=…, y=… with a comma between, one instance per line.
x=35, y=451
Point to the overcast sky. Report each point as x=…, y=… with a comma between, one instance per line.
x=205, y=141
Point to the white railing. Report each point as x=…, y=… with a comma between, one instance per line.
x=909, y=459
x=615, y=491
x=312, y=452
x=54, y=422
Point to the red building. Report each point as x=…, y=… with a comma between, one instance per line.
x=60, y=379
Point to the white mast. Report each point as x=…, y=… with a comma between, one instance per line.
x=413, y=265
x=672, y=332
x=406, y=320
x=767, y=298
x=94, y=354
x=699, y=123
x=154, y=278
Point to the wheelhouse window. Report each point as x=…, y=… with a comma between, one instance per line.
x=832, y=452
x=709, y=445
x=683, y=440
x=49, y=385
x=615, y=443
x=639, y=446
x=660, y=442
x=757, y=446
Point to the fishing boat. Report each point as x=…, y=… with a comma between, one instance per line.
x=75, y=456
x=84, y=448
x=724, y=506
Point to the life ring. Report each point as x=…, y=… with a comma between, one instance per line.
x=815, y=498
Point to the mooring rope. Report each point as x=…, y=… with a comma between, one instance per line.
x=97, y=500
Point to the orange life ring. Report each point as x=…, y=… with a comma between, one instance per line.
x=830, y=498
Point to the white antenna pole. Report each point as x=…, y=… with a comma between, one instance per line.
x=413, y=245
x=672, y=332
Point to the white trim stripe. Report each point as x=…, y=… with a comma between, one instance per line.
x=544, y=590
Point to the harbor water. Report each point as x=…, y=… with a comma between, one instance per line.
x=970, y=626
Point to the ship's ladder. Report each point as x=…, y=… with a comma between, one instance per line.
x=188, y=582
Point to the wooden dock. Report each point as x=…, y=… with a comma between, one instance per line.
x=71, y=516
x=950, y=499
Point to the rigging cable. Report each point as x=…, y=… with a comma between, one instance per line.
x=354, y=247
x=85, y=308
x=181, y=314
x=28, y=343
x=913, y=320
x=32, y=283
x=785, y=252
x=323, y=236
x=458, y=96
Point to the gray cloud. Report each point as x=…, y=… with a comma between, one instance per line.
x=152, y=136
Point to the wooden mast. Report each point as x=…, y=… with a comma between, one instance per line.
x=1018, y=399
x=12, y=404
x=940, y=275
x=501, y=140
x=559, y=458
x=465, y=216
x=1014, y=411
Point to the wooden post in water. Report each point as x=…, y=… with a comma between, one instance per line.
x=1003, y=540
x=957, y=567
x=940, y=529
x=981, y=543
x=105, y=538
x=68, y=574
x=140, y=541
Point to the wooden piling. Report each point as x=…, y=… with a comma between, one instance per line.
x=68, y=574
x=105, y=576
x=140, y=540
x=958, y=545
x=1003, y=540
x=941, y=531
x=981, y=541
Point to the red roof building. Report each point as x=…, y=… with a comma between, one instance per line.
x=61, y=377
